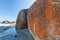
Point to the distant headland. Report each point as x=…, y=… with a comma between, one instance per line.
x=7, y=23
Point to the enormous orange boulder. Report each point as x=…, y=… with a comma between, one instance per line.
x=44, y=20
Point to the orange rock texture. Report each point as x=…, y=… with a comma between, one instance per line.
x=44, y=19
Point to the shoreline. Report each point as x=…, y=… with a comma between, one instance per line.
x=7, y=24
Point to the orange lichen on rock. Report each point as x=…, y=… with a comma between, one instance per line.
x=44, y=19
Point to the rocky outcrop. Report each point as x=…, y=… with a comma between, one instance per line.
x=43, y=20
x=21, y=21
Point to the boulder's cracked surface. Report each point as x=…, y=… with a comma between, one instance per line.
x=43, y=20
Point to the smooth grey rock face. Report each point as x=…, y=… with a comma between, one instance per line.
x=23, y=34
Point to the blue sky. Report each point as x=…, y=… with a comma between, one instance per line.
x=9, y=8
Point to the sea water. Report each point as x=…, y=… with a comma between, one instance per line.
x=8, y=33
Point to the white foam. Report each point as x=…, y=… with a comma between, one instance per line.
x=7, y=24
